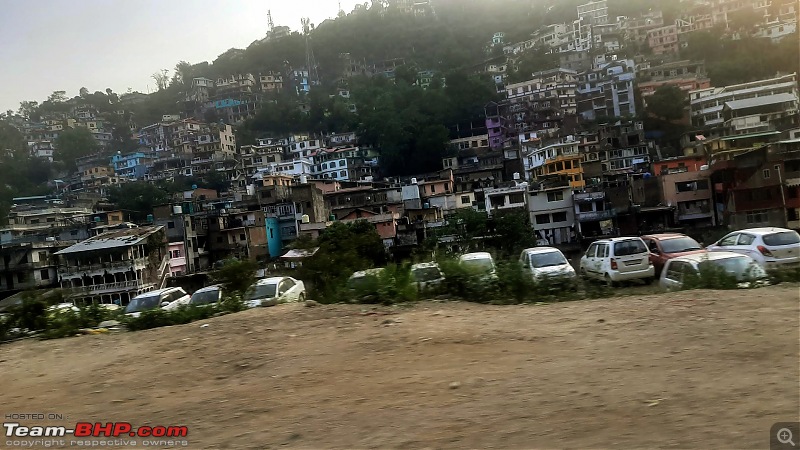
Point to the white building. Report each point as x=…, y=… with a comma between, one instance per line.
x=552, y=213
x=706, y=105
x=506, y=198
x=607, y=90
x=596, y=12
x=536, y=157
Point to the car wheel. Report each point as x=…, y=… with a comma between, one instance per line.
x=583, y=274
x=609, y=281
x=302, y=297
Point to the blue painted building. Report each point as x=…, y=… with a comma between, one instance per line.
x=274, y=241
x=132, y=165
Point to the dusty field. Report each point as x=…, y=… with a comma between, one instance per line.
x=700, y=369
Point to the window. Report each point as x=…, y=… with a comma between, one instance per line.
x=756, y=217
x=343, y=174
x=465, y=200
x=590, y=252
x=729, y=240
x=555, y=196
x=542, y=218
x=560, y=217
x=170, y=224
x=45, y=274
x=433, y=188
x=745, y=239
x=765, y=174
x=674, y=270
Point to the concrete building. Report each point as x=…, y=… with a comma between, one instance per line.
x=684, y=74
x=115, y=266
x=552, y=212
x=607, y=90
x=595, y=11
x=706, y=105
x=663, y=40
x=690, y=193
x=506, y=199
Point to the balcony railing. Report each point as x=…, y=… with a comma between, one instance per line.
x=139, y=263
x=104, y=288
x=589, y=196
x=596, y=215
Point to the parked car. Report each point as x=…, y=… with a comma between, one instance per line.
x=617, y=259
x=547, y=263
x=770, y=247
x=275, y=290
x=427, y=276
x=665, y=246
x=363, y=284
x=744, y=268
x=481, y=263
x=168, y=298
x=209, y=295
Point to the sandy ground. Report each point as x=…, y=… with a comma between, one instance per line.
x=700, y=369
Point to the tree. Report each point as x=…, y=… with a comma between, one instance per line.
x=161, y=78
x=236, y=276
x=57, y=97
x=667, y=102
x=27, y=109
x=74, y=143
x=138, y=198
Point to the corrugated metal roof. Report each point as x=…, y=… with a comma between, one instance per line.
x=112, y=239
x=761, y=101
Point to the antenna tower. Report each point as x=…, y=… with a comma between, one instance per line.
x=311, y=63
x=269, y=20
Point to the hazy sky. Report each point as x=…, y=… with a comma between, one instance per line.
x=49, y=45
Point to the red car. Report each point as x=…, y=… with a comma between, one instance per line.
x=666, y=246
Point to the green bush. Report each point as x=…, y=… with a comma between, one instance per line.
x=155, y=318
x=467, y=284
x=709, y=276
x=784, y=275
x=392, y=285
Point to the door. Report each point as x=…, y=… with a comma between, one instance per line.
x=631, y=255
x=728, y=243
x=285, y=291
x=587, y=262
x=656, y=254
x=672, y=278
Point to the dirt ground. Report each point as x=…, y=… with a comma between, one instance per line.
x=699, y=369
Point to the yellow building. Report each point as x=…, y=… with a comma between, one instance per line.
x=558, y=159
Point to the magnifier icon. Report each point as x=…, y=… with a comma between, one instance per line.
x=785, y=436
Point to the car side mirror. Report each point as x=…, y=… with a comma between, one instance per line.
x=165, y=303
x=655, y=251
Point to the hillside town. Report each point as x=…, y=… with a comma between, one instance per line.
x=567, y=148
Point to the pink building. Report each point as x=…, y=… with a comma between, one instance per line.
x=177, y=259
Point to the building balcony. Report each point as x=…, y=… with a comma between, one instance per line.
x=587, y=197
x=105, y=288
x=593, y=216
x=27, y=266
x=114, y=266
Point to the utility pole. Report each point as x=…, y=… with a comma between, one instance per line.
x=783, y=196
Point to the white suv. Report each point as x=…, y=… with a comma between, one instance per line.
x=618, y=259
x=770, y=247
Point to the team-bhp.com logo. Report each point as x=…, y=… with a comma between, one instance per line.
x=97, y=429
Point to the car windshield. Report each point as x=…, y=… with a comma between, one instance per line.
x=205, y=297
x=143, y=303
x=782, y=238
x=681, y=244
x=261, y=291
x=548, y=259
x=740, y=267
x=426, y=273
x=632, y=247
x=479, y=265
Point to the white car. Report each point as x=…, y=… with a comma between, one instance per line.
x=274, y=290
x=618, y=259
x=480, y=263
x=547, y=263
x=167, y=299
x=744, y=268
x=427, y=276
x=209, y=295
x=770, y=247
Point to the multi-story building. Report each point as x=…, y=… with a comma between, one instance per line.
x=552, y=212
x=133, y=165
x=707, y=105
x=595, y=11
x=636, y=28
x=690, y=193
x=28, y=265
x=345, y=164
x=607, y=90
x=686, y=75
x=510, y=198
x=270, y=82
x=663, y=40
x=114, y=267
x=562, y=159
